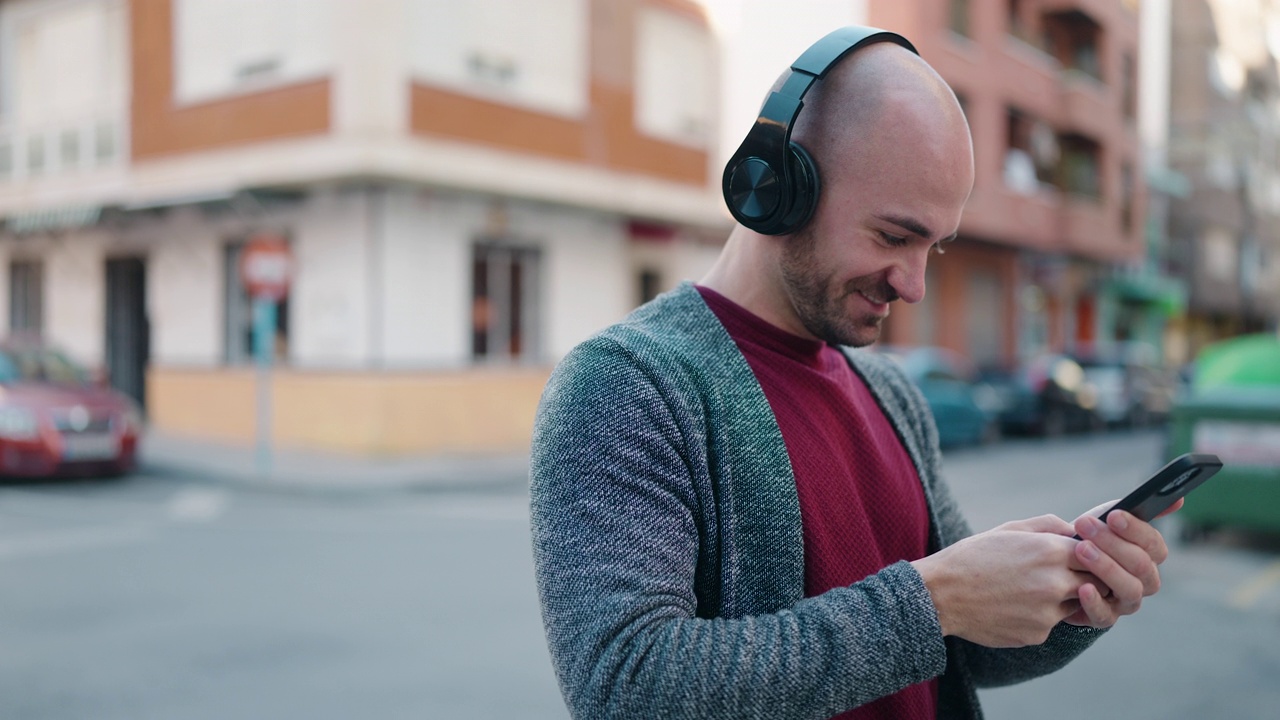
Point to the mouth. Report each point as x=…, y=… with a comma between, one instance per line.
x=879, y=306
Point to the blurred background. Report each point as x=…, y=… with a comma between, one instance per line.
x=285, y=279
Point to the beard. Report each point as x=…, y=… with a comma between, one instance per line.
x=821, y=302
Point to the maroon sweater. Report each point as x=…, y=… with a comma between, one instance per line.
x=862, y=506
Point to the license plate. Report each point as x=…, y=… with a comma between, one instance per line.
x=90, y=447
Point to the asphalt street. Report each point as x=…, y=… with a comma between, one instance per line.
x=159, y=596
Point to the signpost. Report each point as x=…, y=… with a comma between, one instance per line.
x=266, y=267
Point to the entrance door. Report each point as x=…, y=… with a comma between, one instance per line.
x=128, y=334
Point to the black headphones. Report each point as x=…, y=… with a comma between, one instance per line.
x=770, y=183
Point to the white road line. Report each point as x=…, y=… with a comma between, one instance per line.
x=198, y=505
x=73, y=540
x=1247, y=594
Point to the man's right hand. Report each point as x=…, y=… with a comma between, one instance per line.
x=1009, y=586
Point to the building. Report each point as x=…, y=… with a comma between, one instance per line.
x=1056, y=214
x=467, y=190
x=1224, y=139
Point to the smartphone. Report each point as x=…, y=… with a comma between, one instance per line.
x=1184, y=474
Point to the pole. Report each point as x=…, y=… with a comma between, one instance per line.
x=264, y=336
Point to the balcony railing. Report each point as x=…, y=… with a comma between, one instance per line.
x=34, y=152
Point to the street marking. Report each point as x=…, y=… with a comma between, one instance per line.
x=71, y=541
x=198, y=505
x=1248, y=593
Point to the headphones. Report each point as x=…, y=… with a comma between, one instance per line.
x=771, y=184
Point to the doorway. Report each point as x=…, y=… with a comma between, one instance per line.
x=128, y=332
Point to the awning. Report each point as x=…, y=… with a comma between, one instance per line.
x=1168, y=294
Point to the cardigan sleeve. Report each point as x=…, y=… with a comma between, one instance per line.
x=986, y=667
x=619, y=510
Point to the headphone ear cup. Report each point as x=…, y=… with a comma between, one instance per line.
x=805, y=188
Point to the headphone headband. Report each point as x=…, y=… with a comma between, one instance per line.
x=760, y=183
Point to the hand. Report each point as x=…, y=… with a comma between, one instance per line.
x=1123, y=554
x=1008, y=587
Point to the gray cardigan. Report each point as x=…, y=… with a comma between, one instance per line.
x=668, y=550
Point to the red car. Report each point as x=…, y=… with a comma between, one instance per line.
x=55, y=421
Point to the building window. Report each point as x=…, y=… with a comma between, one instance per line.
x=26, y=297
x=1126, y=200
x=1031, y=153
x=674, y=83
x=1075, y=39
x=532, y=53
x=1079, y=171
x=958, y=16
x=504, y=302
x=238, y=326
x=1129, y=90
x=224, y=47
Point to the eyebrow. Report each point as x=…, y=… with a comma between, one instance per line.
x=913, y=226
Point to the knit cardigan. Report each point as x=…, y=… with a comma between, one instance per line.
x=668, y=549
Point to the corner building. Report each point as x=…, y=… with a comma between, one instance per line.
x=467, y=189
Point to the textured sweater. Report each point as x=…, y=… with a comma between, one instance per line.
x=668, y=547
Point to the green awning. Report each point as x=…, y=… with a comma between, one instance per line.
x=1166, y=293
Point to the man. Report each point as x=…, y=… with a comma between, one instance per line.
x=735, y=517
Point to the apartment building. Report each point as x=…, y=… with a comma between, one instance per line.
x=467, y=189
x=1224, y=139
x=1054, y=226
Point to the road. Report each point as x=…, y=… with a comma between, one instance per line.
x=160, y=597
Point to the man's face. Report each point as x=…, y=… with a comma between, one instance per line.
x=882, y=213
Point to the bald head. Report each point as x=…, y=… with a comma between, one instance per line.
x=880, y=94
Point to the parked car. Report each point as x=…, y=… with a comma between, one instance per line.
x=55, y=421
x=1131, y=389
x=1046, y=395
x=962, y=406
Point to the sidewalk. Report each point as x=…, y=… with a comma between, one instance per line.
x=315, y=471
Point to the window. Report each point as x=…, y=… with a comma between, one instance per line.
x=223, y=47
x=51, y=98
x=1031, y=153
x=504, y=302
x=238, y=330
x=1126, y=200
x=650, y=285
x=531, y=53
x=958, y=16
x=674, y=78
x=1079, y=172
x=26, y=296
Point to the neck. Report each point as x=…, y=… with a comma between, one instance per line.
x=747, y=273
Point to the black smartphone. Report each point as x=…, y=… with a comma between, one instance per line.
x=1184, y=474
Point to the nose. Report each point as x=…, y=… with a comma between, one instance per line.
x=907, y=277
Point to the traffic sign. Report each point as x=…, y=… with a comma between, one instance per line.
x=266, y=267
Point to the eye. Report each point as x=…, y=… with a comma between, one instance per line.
x=893, y=240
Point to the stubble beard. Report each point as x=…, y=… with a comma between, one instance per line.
x=822, y=307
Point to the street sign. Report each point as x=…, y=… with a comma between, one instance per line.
x=266, y=267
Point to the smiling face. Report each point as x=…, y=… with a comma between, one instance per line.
x=890, y=196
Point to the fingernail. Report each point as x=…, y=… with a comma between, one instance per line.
x=1089, y=551
x=1120, y=520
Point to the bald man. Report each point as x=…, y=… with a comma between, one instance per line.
x=737, y=515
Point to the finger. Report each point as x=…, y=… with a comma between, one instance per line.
x=1173, y=508
x=1127, y=589
x=1135, y=559
x=1142, y=534
x=1044, y=523
x=1099, y=612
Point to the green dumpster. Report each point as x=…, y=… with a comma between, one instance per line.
x=1233, y=411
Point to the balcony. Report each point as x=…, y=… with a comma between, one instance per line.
x=36, y=153
x=1086, y=108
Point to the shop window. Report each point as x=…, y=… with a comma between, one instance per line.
x=504, y=302
x=26, y=297
x=238, y=315
x=649, y=284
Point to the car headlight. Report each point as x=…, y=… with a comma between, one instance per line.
x=18, y=423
